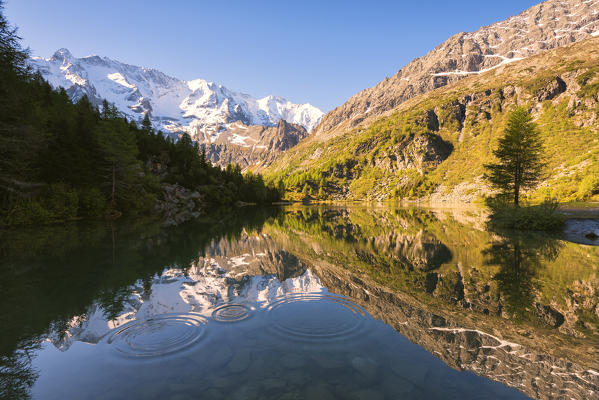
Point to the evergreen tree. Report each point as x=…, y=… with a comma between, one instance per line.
x=12, y=56
x=120, y=155
x=519, y=154
x=203, y=159
x=18, y=141
x=146, y=124
x=321, y=186
x=305, y=190
x=281, y=188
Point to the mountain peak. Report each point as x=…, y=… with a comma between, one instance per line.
x=62, y=54
x=201, y=108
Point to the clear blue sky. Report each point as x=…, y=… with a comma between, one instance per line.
x=320, y=52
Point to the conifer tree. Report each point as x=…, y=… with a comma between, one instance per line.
x=146, y=124
x=17, y=151
x=120, y=154
x=519, y=164
x=12, y=56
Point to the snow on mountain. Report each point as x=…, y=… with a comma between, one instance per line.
x=201, y=108
x=200, y=291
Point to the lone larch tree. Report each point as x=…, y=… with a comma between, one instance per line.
x=519, y=165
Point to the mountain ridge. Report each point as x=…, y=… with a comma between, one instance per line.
x=232, y=127
x=547, y=25
x=198, y=107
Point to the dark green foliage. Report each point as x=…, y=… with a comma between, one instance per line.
x=91, y=202
x=60, y=160
x=519, y=153
x=120, y=166
x=56, y=203
x=519, y=258
x=61, y=201
x=146, y=124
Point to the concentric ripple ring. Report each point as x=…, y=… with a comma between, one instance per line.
x=231, y=313
x=316, y=316
x=159, y=335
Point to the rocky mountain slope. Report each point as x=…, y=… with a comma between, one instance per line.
x=210, y=113
x=253, y=145
x=550, y=24
x=435, y=145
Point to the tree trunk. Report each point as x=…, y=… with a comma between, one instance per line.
x=517, y=181
x=113, y=182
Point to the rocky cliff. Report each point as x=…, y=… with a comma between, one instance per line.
x=254, y=145
x=548, y=25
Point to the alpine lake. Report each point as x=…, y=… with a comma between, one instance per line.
x=298, y=302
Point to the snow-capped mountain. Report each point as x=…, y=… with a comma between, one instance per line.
x=203, y=109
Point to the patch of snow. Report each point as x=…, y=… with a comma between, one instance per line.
x=504, y=62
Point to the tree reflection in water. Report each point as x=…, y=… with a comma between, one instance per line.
x=520, y=256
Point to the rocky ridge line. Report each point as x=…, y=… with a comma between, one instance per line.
x=548, y=25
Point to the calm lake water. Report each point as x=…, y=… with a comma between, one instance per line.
x=298, y=303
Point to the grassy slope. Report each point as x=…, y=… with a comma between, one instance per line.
x=572, y=150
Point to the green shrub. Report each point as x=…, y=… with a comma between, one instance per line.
x=586, y=89
x=27, y=212
x=92, y=202
x=60, y=201
x=543, y=217
x=57, y=202
x=143, y=202
x=586, y=76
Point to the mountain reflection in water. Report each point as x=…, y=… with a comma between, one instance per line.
x=299, y=303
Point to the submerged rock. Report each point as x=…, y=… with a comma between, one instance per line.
x=319, y=391
x=221, y=357
x=291, y=360
x=582, y=230
x=591, y=236
x=366, y=394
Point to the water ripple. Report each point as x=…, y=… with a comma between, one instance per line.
x=231, y=313
x=159, y=335
x=316, y=316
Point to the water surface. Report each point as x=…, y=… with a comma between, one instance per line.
x=300, y=302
